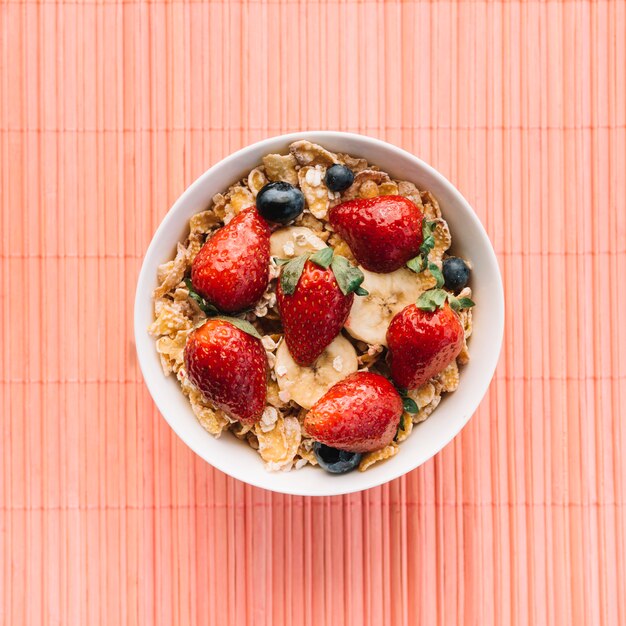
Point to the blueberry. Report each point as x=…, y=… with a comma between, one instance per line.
x=280, y=202
x=335, y=461
x=338, y=177
x=455, y=273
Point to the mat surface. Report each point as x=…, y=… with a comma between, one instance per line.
x=108, y=110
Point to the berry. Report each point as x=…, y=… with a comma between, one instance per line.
x=314, y=313
x=229, y=366
x=335, y=461
x=360, y=413
x=455, y=274
x=280, y=202
x=422, y=344
x=338, y=177
x=383, y=232
x=232, y=268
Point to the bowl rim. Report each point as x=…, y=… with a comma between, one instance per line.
x=256, y=479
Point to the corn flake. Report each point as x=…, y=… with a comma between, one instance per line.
x=279, y=446
x=172, y=351
x=410, y=191
x=202, y=223
x=307, y=153
x=369, y=458
x=370, y=177
x=354, y=163
x=213, y=420
x=314, y=189
x=310, y=221
x=425, y=411
x=281, y=167
x=388, y=189
x=175, y=272
x=240, y=198
x=431, y=206
x=256, y=180
x=341, y=247
x=369, y=189
x=172, y=316
x=449, y=377
x=443, y=240
x=307, y=454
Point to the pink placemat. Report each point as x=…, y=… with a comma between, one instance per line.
x=108, y=110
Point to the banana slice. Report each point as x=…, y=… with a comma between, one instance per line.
x=291, y=241
x=306, y=385
x=388, y=294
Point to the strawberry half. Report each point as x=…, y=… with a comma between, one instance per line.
x=383, y=233
x=232, y=268
x=225, y=359
x=424, y=338
x=314, y=297
x=361, y=413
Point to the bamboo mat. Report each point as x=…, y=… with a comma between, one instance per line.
x=108, y=110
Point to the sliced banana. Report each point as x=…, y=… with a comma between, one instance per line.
x=291, y=241
x=306, y=385
x=388, y=294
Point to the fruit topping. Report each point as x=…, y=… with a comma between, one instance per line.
x=226, y=361
x=280, y=202
x=383, y=232
x=456, y=274
x=422, y=343
x=314, y=296
x=338, y=177
x=359, y=414
x=231, y=271
x=335, y=461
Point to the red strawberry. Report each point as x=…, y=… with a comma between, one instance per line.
x=229, y=366
x=383, y=233
x=422, y=343
x=232, y=269
x=358, y=414
x=314, y=299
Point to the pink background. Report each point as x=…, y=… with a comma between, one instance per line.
x=108, y=110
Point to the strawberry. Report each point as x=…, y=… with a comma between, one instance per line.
x=424, y=338
x=232, y=268
x=225, y=359
x=358, y=414
x=383, y=233
x=314, y=297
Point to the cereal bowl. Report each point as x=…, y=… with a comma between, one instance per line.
x=470, y=241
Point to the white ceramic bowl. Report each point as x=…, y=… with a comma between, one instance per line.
x=469, y=241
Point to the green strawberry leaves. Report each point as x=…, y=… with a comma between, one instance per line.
x=460, y=303
x=280, y=261
x=210, y=311
x=206, y=307
x=244, y=325
x=433, y=299
x=416, y=264
x=322, y=257
x=420, y=262
x=291, y=272
x=428, y=237
x=348, y=277
x=409, y=405
x=436, y=274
